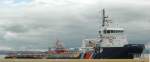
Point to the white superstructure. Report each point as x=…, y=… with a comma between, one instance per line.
x=108, y=36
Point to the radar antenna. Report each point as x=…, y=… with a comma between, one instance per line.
x=105, y=20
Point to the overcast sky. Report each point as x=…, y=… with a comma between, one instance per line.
x=36, y=24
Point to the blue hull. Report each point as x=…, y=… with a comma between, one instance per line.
x=126, y=52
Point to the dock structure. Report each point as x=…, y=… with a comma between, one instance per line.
x=75, y=60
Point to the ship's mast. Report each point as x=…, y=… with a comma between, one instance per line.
x=59, y=44
x=103, y=18
x=103, y=23
x=101, y=32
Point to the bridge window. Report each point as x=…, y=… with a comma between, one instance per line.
x=99, y=31
x=105, y=31
x=108, y=31
x=113, y=31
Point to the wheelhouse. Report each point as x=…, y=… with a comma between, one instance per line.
x=108, y=31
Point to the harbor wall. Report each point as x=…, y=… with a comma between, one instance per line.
x=75, y=60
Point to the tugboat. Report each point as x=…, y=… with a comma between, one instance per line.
x=111, y=43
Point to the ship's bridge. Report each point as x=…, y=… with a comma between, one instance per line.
x=112, y=30
x=113, y=37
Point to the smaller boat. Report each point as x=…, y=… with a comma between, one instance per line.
x=59, y=52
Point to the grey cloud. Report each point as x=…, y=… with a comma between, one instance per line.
x=38, y=26
x=16, y=28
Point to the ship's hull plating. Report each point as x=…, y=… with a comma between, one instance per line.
x=127, y=52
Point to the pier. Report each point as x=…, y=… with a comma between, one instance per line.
x=75, y=60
